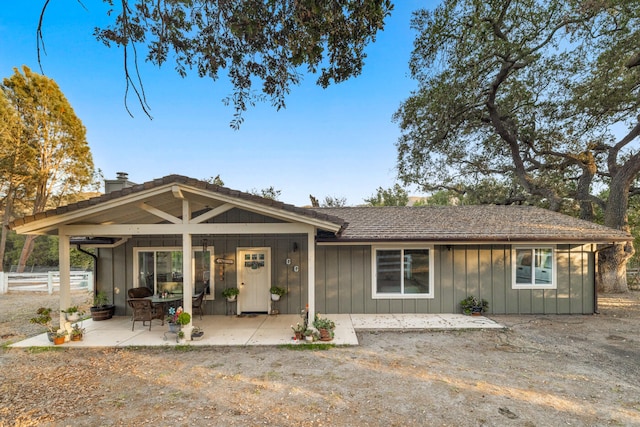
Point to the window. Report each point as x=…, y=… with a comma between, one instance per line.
x=402, y=273
x=160, y=269
x=534, y=268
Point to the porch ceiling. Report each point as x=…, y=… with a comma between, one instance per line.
x=162, y=201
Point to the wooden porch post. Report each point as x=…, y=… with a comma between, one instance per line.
x=187, y=282
x=64, y=265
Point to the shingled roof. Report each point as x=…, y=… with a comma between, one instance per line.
x=486, y=223
x=177, y=179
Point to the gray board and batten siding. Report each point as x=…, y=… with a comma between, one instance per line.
x=115, y=267
x=343, y=282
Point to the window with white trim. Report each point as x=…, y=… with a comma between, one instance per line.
x=534, y=267
x=160, y=269
x=402, y=272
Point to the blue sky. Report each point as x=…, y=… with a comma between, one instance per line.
x=336, y=142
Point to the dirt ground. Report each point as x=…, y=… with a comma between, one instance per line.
x=540, y=371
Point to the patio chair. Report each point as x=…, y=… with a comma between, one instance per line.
x=139, y=292
x=198, y=303
x=145, y=310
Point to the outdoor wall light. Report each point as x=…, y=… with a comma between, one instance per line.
x=295, y=247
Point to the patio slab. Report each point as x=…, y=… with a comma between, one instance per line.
x=253, y=330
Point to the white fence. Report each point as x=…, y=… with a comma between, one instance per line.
x=43, y=282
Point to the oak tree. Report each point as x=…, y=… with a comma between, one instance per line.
x=544, y=93
x=254, y=42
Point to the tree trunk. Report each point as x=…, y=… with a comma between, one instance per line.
x=612, y=268
x=27, y=248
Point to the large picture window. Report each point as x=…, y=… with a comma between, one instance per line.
x=160, y=270
x=402, y=273
x=534, y=268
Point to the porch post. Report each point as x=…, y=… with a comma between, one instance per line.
x=187, y=291
x=64, y=265
x=311, y=278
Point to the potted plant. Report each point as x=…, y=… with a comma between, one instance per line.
x=230, y=293
x=298, y=331
x=472, y=305
x=308, y=335
x=325, y=327
x=58, y=336
x=73, y=313
x=43, y=317
x=277, y=292
x=76, y=333
x=196, y=333
x=101, y=309
x=177, y=319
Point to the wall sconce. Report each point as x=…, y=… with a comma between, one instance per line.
x=295, y=247
x=204, y=245
x=449, y=248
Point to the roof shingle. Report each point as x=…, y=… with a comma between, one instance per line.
x=467, y=223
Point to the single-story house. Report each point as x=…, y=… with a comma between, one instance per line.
x=521, y=259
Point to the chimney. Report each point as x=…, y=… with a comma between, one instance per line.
x=121, y=181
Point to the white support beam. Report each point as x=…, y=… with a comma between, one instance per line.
x=212, y=213
x=187, y=282
x=311, y=274
x=177, y=192
x=160, y=214
x=64, y=260
x=186, y=211
x=90, y=230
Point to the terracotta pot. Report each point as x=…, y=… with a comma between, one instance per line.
x=76, y=337
x=58, y=340
x=325, y=335
x=298, y=335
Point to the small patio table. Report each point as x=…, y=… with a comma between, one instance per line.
x=167, y=301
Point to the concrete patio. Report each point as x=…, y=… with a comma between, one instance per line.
x=253, y=330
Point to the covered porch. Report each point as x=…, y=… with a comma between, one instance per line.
x=256, y=330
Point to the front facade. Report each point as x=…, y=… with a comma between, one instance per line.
x=332, y=260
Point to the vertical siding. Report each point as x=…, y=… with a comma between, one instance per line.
x=343, y=277
x=460, y=271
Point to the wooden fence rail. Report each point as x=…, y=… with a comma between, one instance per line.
x=43, y=282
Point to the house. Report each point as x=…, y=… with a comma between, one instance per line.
x=522, y=259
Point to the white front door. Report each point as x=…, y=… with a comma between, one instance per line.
x=254, y=279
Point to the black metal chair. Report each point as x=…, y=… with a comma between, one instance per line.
x=145, y=310
x=198, y=303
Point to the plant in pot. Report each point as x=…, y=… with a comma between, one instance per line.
x=277, y=292
x=73, y=313
x=298, y=331
x=76, y=333
x=230, y=293
x=43, y=317
x=180, y=337
x=472, y=305
x=309, y=335
x=325, y=327
x=177, y=319
x=196, y=333
x=58, y=336
x=101, y=309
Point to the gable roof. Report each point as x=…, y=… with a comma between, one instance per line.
x=165, y=194
x=481, y=223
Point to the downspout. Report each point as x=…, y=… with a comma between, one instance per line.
x=95, y=267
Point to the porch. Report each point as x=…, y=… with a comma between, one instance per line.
x=259, y=329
